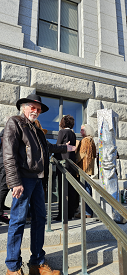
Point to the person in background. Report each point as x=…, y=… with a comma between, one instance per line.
x=25, y=155
x=67, y=134
x=85, y=156
x=3, y=186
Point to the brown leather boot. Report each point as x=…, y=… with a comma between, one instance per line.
x=42, y=269
x=18, y=272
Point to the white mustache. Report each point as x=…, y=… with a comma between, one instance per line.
x=34, y=114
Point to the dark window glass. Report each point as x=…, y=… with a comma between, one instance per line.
x=69, y=41
x=69, y=15
x=48, y=36
x=50, y=119
x=49, y=10
x=48, y=24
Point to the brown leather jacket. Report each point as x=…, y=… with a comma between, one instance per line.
x=25, y=150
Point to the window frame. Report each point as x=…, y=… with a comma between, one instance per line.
x=78, y=2
x=54, y=134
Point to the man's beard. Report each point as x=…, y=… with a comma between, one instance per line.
x=31, y=118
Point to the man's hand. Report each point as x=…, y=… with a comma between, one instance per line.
x=70, y=148
x=17, y=191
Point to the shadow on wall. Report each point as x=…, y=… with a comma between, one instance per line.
x=28, y=24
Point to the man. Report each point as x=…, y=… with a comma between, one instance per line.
x=85, y=155
x=25, y=152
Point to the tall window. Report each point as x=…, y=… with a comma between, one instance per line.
x=58, y=25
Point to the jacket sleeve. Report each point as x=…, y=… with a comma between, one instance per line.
x=11, y=141
x=57, y=148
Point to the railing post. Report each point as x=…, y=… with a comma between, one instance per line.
x=83, y=234
x=122, y=255
x=62, y=199
x=65, y=224
x=49, y=198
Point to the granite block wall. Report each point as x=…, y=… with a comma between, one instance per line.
x=17, y=81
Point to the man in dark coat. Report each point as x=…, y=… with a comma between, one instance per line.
x=25, y=152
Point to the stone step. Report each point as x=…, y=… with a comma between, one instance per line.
x=99, y=253
x=95, y=232
x=101, y=245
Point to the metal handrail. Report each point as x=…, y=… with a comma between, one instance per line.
x=109, y=198
x=116, y=231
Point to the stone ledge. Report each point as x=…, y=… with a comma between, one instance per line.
x=56, y=83
x=59, y=62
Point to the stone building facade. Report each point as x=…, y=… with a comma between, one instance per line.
x=96, y=76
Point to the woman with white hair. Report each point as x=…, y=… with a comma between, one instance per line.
x=85, y=156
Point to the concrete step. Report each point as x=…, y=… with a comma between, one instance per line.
x=101, y=245
x=95, y=232
x=100, y=269
x=101, y=253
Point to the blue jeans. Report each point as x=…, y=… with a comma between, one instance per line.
x=33, y=193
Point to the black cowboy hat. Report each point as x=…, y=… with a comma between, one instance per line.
x=32, y=98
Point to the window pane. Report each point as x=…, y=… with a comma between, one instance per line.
x=69, y=41
x=74, y=109
x=50, y=119
x=69, y=15
x=47, y=36
x=49, y=10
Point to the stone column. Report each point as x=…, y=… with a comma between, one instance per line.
x=108, y=55
x=10, y=31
